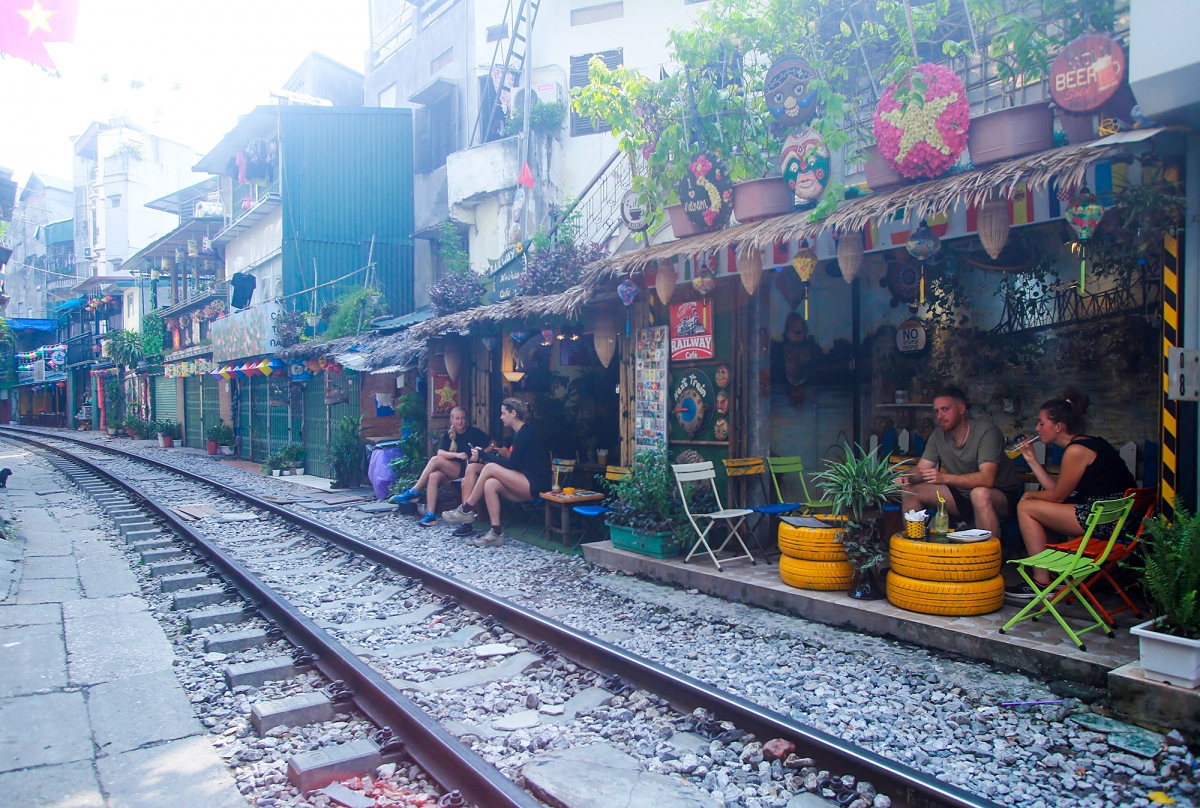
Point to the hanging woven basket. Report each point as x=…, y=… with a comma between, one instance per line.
x=994, y=223
x=664, y=280
x=850, y=255
x=750, y=270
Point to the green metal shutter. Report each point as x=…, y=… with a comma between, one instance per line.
x=245, y=422
x=316, y=442
x=211, y=389
x=193, y=426
x=277, y=396
x=260, y=445
x=351, y=406
x=166, y=399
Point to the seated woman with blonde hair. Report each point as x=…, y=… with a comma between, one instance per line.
x=1091, y=470
x=521, y=476
x=449, y=463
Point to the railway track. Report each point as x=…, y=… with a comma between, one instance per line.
x=322, y=589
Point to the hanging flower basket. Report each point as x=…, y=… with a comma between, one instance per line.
x=921, y=124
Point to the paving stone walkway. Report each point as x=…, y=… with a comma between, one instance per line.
x=91, y=713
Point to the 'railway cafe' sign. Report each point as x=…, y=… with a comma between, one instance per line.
x=692, y=330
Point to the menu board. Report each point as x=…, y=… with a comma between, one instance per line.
x=650, y=396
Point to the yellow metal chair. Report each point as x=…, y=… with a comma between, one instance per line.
x=1072, y=569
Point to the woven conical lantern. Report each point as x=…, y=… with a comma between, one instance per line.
x=850, y=254
x=750, y=270
x=805, y=263
x=664, y=280
x=452, y=355
x=604, y=337
x=994, y=223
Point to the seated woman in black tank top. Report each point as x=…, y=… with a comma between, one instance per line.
x=1091, y=470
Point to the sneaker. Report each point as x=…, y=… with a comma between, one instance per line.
x=408, y=496
x=458, y=516
x=1019, y=592
x=493, y=538
x=428, y=520
x=464, y=530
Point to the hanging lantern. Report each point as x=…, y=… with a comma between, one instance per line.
x=850, y=254
x=994, y=223
x=452, y=356
x=704, y=281
x=548, y=335
x=1084, y=217
x=664, y=280
x=923, y=244
x=750, y=270
x=805, y=263
x=604, y=337
x=627, y=291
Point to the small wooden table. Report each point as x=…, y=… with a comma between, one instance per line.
x=564, y=504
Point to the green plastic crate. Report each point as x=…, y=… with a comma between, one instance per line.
x=658, y=545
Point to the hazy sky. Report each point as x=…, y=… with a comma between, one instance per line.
x=200, y=64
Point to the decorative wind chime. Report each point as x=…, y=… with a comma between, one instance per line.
x=627, y=291
x=923, y=244
x=1084, y=217
x=805, y=263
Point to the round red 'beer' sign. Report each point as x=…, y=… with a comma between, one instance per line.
x=1087, y=73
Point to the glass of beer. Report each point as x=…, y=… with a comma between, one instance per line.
x=1014, y=450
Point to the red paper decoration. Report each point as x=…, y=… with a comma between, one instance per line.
x=923, y=140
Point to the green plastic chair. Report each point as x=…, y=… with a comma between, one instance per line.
x=1072, y=569
x=786, y=465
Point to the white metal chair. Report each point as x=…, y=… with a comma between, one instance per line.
x=733, y=517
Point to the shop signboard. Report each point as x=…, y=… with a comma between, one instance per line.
x=650, y=389
x=504, y=273
x=245, y=333
x=445, y=393
x=910, y=337
x=1087, y=73
x=692, y=330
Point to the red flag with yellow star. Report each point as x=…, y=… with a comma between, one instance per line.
x=26, y=25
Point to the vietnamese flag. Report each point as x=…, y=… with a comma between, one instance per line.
x=26, y=25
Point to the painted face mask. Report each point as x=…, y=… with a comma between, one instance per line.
x=789, y=100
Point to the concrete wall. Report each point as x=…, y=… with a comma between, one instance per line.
x=1164, y=58
x=253, y=247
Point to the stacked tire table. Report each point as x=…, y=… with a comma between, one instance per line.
x=813, y=558
x=945, y=579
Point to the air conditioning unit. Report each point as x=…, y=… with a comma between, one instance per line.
x=209, y=210
x=547, y=92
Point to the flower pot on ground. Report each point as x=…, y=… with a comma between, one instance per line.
x=275, y=472
x=859, y=487
x=755, y=200
x=166, y=441
x=218, y=435
x=1010, y=132
x=346, y=452
x=211, y=446
x=1170, y=567
x=225, y=451
x=112, y=431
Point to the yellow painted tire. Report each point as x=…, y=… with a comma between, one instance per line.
x=810, y=543
x=945, y=562
x=945, y=597
x=824, y=576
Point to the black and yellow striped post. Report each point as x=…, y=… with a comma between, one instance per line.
x=1169, y=423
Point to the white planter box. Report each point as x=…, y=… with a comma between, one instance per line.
x=1167, y=658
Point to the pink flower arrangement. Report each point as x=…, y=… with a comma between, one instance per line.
x=923, y=140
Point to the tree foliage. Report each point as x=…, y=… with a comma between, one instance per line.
x=458, y=289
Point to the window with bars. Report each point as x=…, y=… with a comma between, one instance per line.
x=579, y=78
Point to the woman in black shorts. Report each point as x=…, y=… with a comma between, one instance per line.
x=448, y=464
x=1091, y=470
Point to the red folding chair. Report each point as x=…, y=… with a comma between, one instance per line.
x=1144, y=499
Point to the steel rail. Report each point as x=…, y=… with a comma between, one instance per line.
x=906, y=786
x=452, y=764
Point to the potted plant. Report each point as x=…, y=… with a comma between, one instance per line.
x=168, y=432
x=112, y=423
x=346, y=452
x=1169, y=644
x=294, y=454
x=859, y=487
x=223, y=435
x=272, y=465
x=645, y=514
x=211, y=437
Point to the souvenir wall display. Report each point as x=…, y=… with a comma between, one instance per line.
x=706, y=192
x=694, y=400
x=650, y=388
x=921, y=133
x=785, y=88
x=805, y=164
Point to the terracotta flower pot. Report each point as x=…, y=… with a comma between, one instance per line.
x=880, y=175
x=755, y=200
x=1079, y=128
x=681, y=225
x=166, y=441
x=1010, y=132
x=212, y=447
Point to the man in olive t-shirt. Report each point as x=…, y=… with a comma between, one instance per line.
x=977, y=480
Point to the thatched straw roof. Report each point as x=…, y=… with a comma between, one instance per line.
x=312, y=349
x=1067, y=165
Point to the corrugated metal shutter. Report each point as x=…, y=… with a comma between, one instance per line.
x=260, y=443
x=277, y=391
x=579, y=78
x=316, y=442
x=192, y=413
x=211, y=389
x=166, y=399
x=244, y=418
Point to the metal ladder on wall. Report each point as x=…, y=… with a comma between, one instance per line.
x=503, y=74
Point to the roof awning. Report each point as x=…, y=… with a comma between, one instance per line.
x=30, y=324
x=70, y=305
